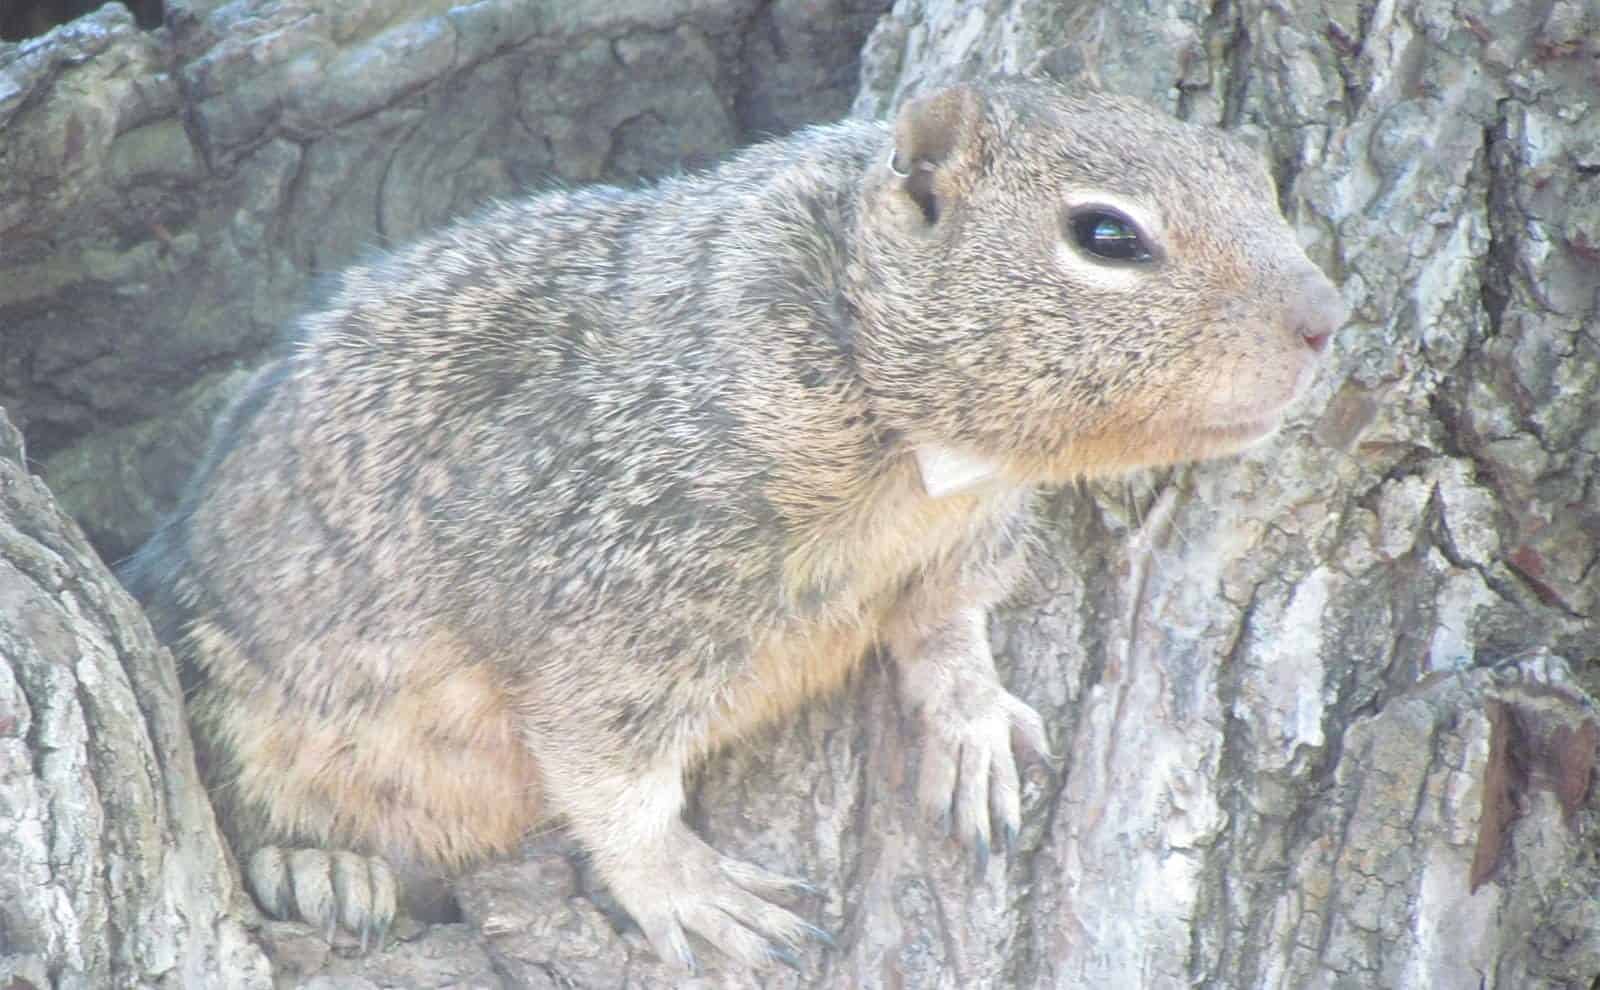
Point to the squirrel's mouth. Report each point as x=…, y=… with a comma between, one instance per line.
x=1199, y=436
x=1233, y=426
x=1244, y=432
x=1231, y=438
x=1170, y=441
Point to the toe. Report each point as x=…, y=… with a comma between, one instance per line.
x=352, y=889
x=666, y=936
x=366, y=895
x=936, y=781
x=268, y=876
x=776, y=923
x=762, y=881
x=675, y=947
x=972, y=800
x=1028, y=726
x=385, y=898
x=1005, y=798
x=746, y=927
x=311, y=876
x=728, y=934
x=778, y=953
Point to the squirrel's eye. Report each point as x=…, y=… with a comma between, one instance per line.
x=1108, y=235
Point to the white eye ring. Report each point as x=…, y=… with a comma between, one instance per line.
x=893, y=154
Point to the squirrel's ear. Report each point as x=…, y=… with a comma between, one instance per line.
x=938, y=147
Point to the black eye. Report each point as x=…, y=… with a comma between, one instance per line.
x=1108, y=235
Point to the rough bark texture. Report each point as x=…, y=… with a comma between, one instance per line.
x=112, y=871
x=1324, y=711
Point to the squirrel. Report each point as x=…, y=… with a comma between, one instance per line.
x=542, y=509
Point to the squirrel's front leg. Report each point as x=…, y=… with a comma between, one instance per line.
x=947, y=679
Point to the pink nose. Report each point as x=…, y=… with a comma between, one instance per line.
x=1316, y=311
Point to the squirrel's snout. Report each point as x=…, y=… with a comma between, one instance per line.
x=1316, y=311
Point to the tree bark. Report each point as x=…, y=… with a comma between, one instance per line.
x=112, y=872
x=1324, y=712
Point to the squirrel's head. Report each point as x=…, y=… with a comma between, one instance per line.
x=1067, y=283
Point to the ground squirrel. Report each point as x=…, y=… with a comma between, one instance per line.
x=543, y=508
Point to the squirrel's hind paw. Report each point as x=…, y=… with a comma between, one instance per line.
x=327, y=889
x=722, y=900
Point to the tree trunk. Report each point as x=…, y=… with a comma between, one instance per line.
x=112, y=872
x=1324, y=712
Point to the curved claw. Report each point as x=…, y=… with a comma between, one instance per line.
x=779, y=954
x=821, y=935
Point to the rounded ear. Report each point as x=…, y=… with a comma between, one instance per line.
x=938, y=143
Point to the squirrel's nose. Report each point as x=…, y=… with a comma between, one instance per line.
x=1316, y=310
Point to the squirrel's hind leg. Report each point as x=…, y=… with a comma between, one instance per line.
x=667, y=878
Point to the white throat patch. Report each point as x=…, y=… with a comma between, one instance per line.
x=946, y=471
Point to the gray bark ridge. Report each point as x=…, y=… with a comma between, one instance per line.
x=112, y=871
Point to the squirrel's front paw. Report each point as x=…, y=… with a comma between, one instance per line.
x=325, y=888
x=968, y=769
x=685, y=886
